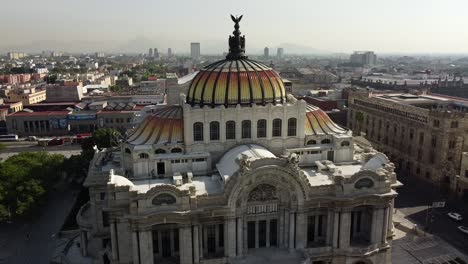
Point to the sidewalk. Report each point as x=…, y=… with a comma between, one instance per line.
x=412, y=245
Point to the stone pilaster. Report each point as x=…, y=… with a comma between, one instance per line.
x=114, y=242
x=240, y=232
x=336, y=229
x=185, y=242
x=345, y=229
x=146, y=247
x=135, y=246
x=196, y=246
x=301, y=230
x=230, y=243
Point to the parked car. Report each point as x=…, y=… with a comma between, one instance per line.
x=56, y=142
x=31, y=138
x=463, y=229
x=455, y=216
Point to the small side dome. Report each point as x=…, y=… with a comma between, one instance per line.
x=319, y=123
x=166, y=125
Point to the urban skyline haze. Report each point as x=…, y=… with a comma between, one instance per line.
x=311, y=26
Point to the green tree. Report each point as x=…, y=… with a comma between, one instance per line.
x=24, y=180
x=107, y=137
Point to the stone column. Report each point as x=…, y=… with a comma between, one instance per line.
x=135, y=246
x=345, y=229
x=240, y=232
x=84, y=243
x=378, y=225
x=390, y=218
x=196, y=246
x=114, y=245
x=185, y=244
x=280, y=228
x=301, y=237
x=336, y=229
x=146, y=247
x=385, y=225
x=230, y=239
x=292, y=228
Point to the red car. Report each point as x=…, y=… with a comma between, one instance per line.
x=56, y=142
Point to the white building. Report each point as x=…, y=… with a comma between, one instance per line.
x=363, y=58
x=239, y=167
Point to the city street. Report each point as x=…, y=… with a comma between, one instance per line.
x=413, y=200
x=34, y=242
x=13, y=148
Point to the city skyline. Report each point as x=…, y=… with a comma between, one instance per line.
x=403, y=27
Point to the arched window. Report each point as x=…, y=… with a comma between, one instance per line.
x=292, y=125
x=345, y=144
x=325, y=141
x=261, y=128
x=176, y=150
x=159, y=151
x=128, y=151
x=143, y=156
x=214, y=130
x=198, y=131
x=277, y=127
x=246, y=124
x=230, y=130
x=311, y=142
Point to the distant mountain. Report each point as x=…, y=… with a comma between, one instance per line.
x=141, y=44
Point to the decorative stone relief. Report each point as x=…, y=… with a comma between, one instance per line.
x=164, y=198
x=263, y=192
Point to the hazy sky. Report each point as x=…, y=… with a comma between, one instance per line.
x=438, y=26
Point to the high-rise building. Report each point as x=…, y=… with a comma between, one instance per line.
x=266, y=52
x=156, y=53
x=169, y=52
x=150, y=52
x=100, y=54
x=195, y=50
x=363, y=58
x=280, y=52
x=16, y=55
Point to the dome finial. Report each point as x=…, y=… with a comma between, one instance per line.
x=236, y=42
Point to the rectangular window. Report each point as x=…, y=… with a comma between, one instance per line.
x=221, y=235
x=105, y=219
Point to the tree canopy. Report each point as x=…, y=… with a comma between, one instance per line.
x=24, y=179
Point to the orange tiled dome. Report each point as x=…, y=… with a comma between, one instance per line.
x=319, y=123
x=236, y=81
x=163, y=126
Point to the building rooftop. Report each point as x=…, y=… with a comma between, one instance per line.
x=47, y=113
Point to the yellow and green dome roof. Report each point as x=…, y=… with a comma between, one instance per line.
x=231, y=82
x=236, y=80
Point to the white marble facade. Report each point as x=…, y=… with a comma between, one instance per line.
x=211, y=181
